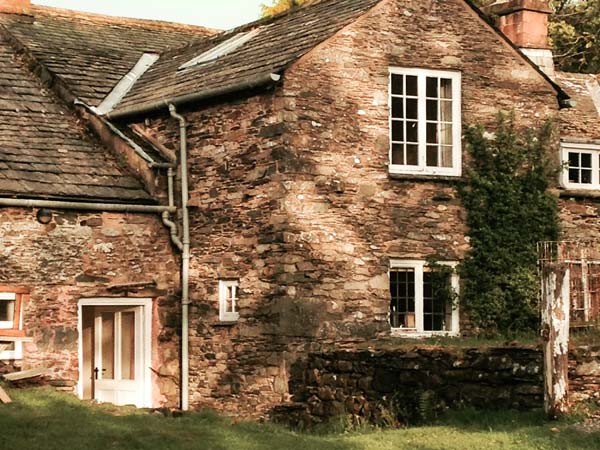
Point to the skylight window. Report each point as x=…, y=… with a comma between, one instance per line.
x=222, y=49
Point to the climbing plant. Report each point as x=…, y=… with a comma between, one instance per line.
x=509, y=209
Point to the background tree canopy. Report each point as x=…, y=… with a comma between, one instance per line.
x=574, y=31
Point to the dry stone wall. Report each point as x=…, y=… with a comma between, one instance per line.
x=372, y=384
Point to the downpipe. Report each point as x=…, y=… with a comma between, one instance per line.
x=185, y=260
x=166, y=217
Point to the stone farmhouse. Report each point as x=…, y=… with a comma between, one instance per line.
x=184, y=213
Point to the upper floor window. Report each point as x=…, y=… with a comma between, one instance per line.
x=581, y=166
x=228, y=299
x=421, y=298
x=425, y=122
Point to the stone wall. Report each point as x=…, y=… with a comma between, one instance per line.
x=411, y=382
x=290, y=194
x=90, y=255
x=348, y=216
x=584, y=374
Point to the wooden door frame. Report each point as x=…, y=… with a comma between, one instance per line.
x=146, y=303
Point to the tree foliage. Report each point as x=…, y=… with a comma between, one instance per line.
x=279, y=6
x=509, y=210
x=574, y=31
x=574, y=35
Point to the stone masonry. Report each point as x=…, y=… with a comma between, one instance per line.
x=79, y=255
x=290, y=194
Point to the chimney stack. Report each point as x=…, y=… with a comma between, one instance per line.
x=15, y=6
x=525, y=23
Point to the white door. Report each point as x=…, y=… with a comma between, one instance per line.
x=119, y=355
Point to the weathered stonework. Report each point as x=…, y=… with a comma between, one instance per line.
x=584, y=374
x=368, y=384
x=372, y=383
x=90, y=255
x=290, y=194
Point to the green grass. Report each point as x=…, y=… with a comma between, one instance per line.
x=43, y=419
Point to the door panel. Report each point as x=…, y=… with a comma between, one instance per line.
x=119, y=355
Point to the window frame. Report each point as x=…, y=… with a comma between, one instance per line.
x=11, y=331
x=580, y=148
x=224, y=314
x=419, y=267
x=422, y=168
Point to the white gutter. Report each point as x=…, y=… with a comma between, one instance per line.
x=185, y=262
x=125, y=84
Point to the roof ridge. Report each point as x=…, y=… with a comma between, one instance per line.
x=96, y=17
x=261, y=22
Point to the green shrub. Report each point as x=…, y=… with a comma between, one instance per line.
x=509, y=210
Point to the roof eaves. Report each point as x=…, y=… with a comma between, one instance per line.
x=249, y=83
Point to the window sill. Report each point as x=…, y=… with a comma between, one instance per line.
x=426, y=177
x=398, y=332
x=579, y=193
x=226, y=323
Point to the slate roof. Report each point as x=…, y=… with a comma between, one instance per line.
x=44, y=151
x=581, y=122
x=281, y=41
x=90, y=52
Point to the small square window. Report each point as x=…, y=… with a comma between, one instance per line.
x=581, y=166
x=11, y=347
x=8, y=303
x=228, y=300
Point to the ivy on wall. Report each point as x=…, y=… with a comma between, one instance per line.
x=509, y=210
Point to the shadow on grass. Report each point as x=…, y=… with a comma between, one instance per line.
x=531, y=427
x=42, y=419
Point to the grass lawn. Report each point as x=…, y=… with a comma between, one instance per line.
x=43, y=419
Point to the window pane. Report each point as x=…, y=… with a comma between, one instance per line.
x=573, y=159
x=397, y=131
x=586, y=160
x=228, y=299
x=432, y=110
x=108, y=346
x=411, y=85
x=446, y=111
x=586, y=176
x=7, y=310
x=412, y=155
x=432, y=156
x=397, y=108
x=398, y=154
x=412, y=108
x=128, y=345
x=446, y=156
x=412, y=132
x=446, y=133
x=397, y=84
x=432, y=87
x=446, y=88
x=7, y=346
x=574, y=175
x=402, y=313
x=435, y=303
x=432, y=134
